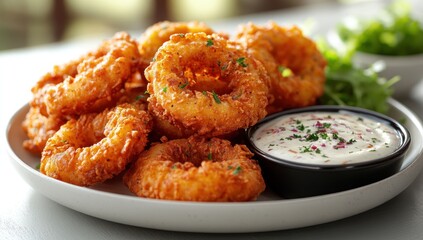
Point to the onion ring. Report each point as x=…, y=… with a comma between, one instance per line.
x=91, y=83
x=96, y=147
x=39, y=129
x=207, y=84
x=154, y=37
x=295, y=65
x=195, y=169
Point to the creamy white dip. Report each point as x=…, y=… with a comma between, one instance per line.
x=326, y=138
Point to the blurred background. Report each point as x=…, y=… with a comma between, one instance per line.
x=25, y=23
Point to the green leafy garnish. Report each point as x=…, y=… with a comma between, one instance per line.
x=164, y=89
x=349, y=85
x=183, y=85
x=237, y=170
x=393, y=32
x=300, y=127
x=305, y=149
x=216, y=97
x=241, y=61
x=209, y=42
x=312, y=137
x=141, y=96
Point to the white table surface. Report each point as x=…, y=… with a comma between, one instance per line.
x=26, y=214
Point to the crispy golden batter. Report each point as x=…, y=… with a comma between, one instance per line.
x=57, y=76
x=39, y=129
x=196, y=170
x=96, y=147
x=154, y=37
x=206, y=84
x=295, y=65
x=91, y=83
x=163, y=127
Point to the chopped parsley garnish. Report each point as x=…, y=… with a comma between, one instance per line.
x=209, y=156
x=237, y=170
x=139, y=97
x=324, y=136
x=164, y=89
x=209, y=42
x=241, y=61
x=216, y=98
x=305, y=149
x=301, y=127
x=312, y=137
x=326, y=125
x=296, y=136
x=204, y=93
x=38, y=166
x=183, y=85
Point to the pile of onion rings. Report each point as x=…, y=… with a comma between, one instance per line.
x=167, y=108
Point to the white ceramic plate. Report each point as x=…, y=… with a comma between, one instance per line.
x=112, y=201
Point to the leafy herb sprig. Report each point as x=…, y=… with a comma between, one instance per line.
x=350, y=85
x=393, y=32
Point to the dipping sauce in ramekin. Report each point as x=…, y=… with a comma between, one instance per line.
x=326, y=138
x=326, y=149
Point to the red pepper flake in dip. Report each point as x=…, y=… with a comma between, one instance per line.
x=326, y=138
